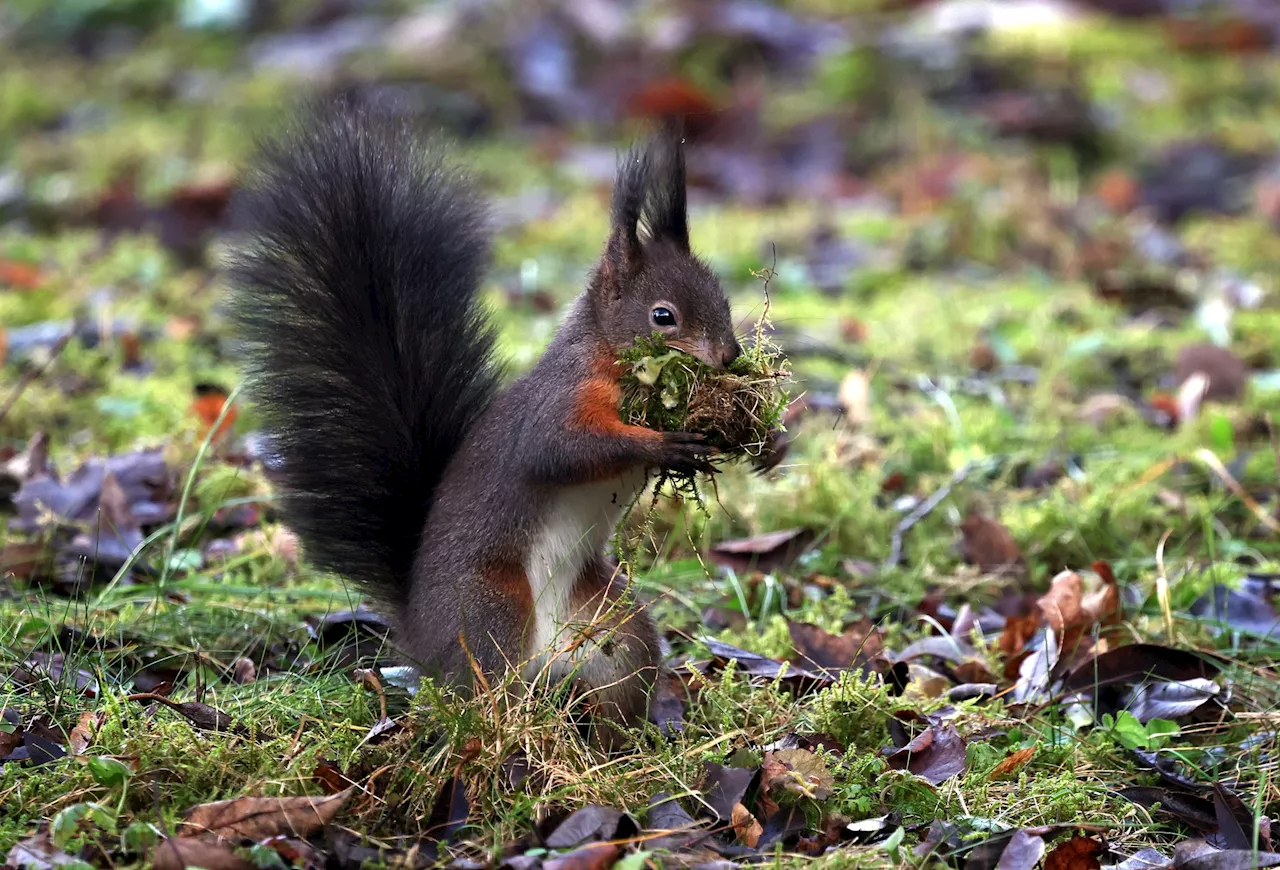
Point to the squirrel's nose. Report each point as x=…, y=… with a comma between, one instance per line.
x=731, y=352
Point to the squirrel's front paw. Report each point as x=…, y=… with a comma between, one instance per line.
x=686, y=453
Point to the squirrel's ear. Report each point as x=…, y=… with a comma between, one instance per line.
x=650, y=191
x=666, y=212
x=624, y=250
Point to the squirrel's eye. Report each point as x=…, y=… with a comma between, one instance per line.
x=662, y=316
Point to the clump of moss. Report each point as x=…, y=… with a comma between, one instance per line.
x=737, y=410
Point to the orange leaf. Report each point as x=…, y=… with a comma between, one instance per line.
x=746, y=827
x=1062, y=605
x=1012, y=762
x=1078, y=853
x=207, y=405
x=16, y=273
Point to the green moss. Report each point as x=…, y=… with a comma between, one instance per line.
x=669, y=391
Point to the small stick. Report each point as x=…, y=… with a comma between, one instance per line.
x=766, y=275
x=1215, y=464
x=921, y=511
x=32, y=374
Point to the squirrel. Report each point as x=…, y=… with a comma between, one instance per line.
x=476, y=514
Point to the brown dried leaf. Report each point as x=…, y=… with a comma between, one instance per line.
x=81, y=735
x=745, y=826
x=1225, y=372
x=988, y=544
x=257, y=818
x=1012, y=762
x=1061, y=606
x=816, y=647
x=936, y=754
x=767, y=552
x=596, y=856
x=855, y=398
x=798, y=771
x=243, y=671
x=1078, y=853
x=183, y=852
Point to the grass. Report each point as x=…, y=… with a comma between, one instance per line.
x=1134, y=490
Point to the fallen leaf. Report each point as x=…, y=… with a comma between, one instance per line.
x=450, y=810
x=800, y=772
x=243, y=671
x=1236, y=822
x=82, y=734
x=19, y=274
x=1012, y=762
x=1225, y=372
x=257, y=818
x=37, y=853
x=674, y=827
x=988, y=544
x=756, y=666
x=1249, y=609
x=1198, y=855
x=723, y=787
x=330, y=777
x=1105, y=409
x=179, y=853
x=1169, y=700
x=1062, y=606
x=207, y=405
x=1023, y=852
x=773, y=551
x=936, y=754
x=1145, y=859
x=1078, y=853
x=745, y=826
x=591, y=823
x=596, y=856
x=1189, y=808
x=818, y=648
x=200, y=715
x=1139, y=662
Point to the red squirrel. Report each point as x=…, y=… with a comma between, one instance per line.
x=477, y=515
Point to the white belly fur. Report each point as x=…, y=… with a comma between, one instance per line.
x=578, y=524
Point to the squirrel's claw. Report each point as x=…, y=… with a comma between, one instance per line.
x=687, y=453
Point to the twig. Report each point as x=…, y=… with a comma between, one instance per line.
x=32, y=374
x=921, y=511
x=766, y=275
x=1215, y=464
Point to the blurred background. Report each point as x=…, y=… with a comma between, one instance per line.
x=1007, y=231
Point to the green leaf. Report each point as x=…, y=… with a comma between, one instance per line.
x=634, y=861
x=139, y=837
x=266, y=858
x=107, y=771
x=1129, y=731
x=892, y=844
x=77, y=820
x=1160, y=732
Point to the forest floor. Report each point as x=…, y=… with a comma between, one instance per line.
x=1010, y=597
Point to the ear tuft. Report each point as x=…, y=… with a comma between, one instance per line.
x=666, y=211
x=650, y=192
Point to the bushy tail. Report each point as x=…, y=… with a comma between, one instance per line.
x=369, y=353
